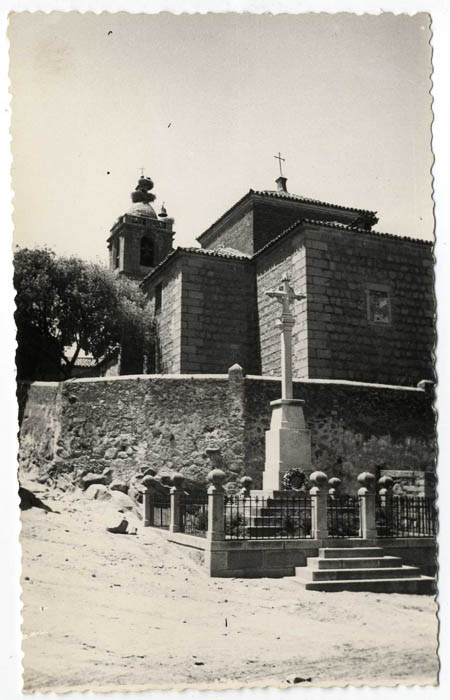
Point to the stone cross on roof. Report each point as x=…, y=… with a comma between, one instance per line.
x=279, y=159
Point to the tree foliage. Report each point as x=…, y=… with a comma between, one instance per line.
x=65, y=305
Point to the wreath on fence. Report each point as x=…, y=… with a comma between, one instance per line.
x=294, y=479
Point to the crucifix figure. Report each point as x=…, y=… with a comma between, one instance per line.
x=279, y=159
x=285, y=295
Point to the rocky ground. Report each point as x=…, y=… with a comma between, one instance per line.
x=107, y=611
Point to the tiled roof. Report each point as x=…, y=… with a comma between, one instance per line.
x=342, y=227
x=219, y=252
x=232, y=253
x=277, y=194
x=85, y=362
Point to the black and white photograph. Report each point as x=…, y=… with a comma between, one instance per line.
x=224, y=273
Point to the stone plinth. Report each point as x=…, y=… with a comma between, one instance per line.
x=288, y=442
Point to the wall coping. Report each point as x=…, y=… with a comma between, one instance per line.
x=225, y=377
x=135, y=377
x=203, y=543
x=343, y=382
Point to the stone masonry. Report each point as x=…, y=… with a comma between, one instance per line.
x=167, y=422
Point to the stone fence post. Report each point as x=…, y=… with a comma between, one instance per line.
x=216, y=505
x=176, y=492
x=319, y=505
x=367, y=496
x=148, y=508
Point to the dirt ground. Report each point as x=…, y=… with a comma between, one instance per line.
x=106, y=612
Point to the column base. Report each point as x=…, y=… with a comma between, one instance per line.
x=288, y=443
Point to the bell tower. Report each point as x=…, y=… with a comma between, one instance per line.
x=140, y=239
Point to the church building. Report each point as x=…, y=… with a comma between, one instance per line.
x=368, y=311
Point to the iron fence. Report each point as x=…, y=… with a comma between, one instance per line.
x=406, y=516
x=194, y=515
x=255, y=518
x=343, y=516
x=161, y=511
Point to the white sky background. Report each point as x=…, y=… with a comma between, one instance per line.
x=344, y=97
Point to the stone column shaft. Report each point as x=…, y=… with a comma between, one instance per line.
x=216, y=513
x=175, y=509
x=319, y=506
x=148, y=507
x=367, y=513
x=285, y=325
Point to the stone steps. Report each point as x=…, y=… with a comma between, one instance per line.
x=361, y=569
x=346, y=552
x=420, y=585
x=354, y=563
x=307, y=574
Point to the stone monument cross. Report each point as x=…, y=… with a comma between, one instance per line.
x=285, y=295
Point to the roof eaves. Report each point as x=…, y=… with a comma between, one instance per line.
x=342, y=227
x=195, y=251
x=307, y=200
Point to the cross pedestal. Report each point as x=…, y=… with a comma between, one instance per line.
x=288, y=442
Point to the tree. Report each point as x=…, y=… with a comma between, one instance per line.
x=65, y=305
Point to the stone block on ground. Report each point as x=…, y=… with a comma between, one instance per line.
x=91, y=478
x=117, y=485
x=98, y=492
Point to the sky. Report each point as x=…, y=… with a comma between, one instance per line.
x=203, y=103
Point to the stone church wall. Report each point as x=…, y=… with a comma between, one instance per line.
x=332, y=336
x=167, y=422
x=218, y=315
x=238, y=235
x=288, y=257
x=342, y=342
x=168, y=322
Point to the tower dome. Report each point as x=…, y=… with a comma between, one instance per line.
x=142, y=209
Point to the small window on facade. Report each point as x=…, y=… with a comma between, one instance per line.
x=146, y=252
x=378, y=304
x=117, y=254
x=158, y=298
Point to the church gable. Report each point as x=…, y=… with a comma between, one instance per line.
x=261, y=215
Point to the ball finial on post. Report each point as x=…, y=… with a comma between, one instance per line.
x=216, y=477
x=177, y=480
x=367, y=481
x=319, y=479
x=246, y=483
x=334, y=483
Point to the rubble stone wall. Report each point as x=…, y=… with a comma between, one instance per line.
x=167, y=422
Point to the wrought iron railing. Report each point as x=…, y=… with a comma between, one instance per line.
x=343, y=516
x=259, y=518
x=161, y=511
x=194, y=515
x=406, y=516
